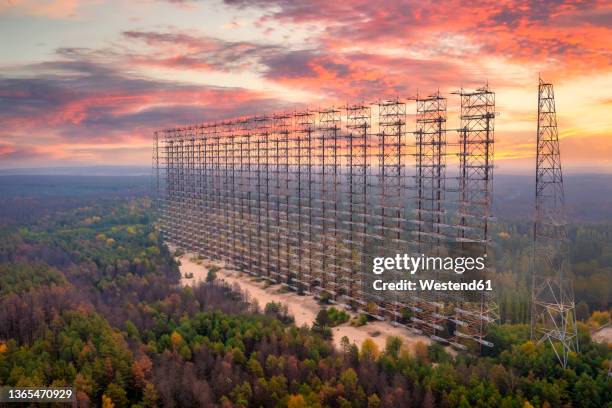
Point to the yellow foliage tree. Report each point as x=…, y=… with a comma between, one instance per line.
x=373, y=401
x=107, y=402
x=296, y=401
x=421, y=353
x=176, y=340
x=369, y=350
x=599, y=318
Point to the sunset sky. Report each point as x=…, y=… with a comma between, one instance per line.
x=86, y=82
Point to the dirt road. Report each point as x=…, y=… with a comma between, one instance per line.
x=303, y=308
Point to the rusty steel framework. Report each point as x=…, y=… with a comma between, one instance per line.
x=308, y=199
x=553, y=317
x=476, y=310
x=431, y=228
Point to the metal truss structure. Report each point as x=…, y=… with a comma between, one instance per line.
x=476, y=140
x=308, y=199
x=431, y=228
x=553, y=317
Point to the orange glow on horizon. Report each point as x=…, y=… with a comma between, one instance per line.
x=102, y=82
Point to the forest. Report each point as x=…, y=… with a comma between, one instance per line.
x=90, y=299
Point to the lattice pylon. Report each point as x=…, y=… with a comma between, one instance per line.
x=430, y=151
x=475, y=311
x=328, y=137
x=553, y=317
x=392, y=129
x=358, y=128
x=305, y=125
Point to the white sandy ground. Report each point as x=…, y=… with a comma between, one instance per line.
x=303, y=308
x=603, y=335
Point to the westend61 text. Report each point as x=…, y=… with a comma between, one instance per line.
x=430, y=284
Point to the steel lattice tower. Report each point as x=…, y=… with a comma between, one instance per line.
x=552, y=305
x=358, y=126
x=430, y=165
x=392, y=126
x=476, y=310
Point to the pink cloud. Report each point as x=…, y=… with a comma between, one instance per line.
x=576, y=34
x=55, y=9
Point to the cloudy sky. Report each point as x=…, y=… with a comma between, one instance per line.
x=86, y=82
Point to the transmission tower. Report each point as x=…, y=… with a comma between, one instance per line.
x=553, y=316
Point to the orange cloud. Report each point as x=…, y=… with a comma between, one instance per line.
x=101, y=98
x=55, y=9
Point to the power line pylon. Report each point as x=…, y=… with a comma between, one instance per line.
x=553, y=316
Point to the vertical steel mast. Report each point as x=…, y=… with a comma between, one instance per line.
x=430, y=165
x=552, y=304
x=392, y=129
x=358, y=125
x=477, y=309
